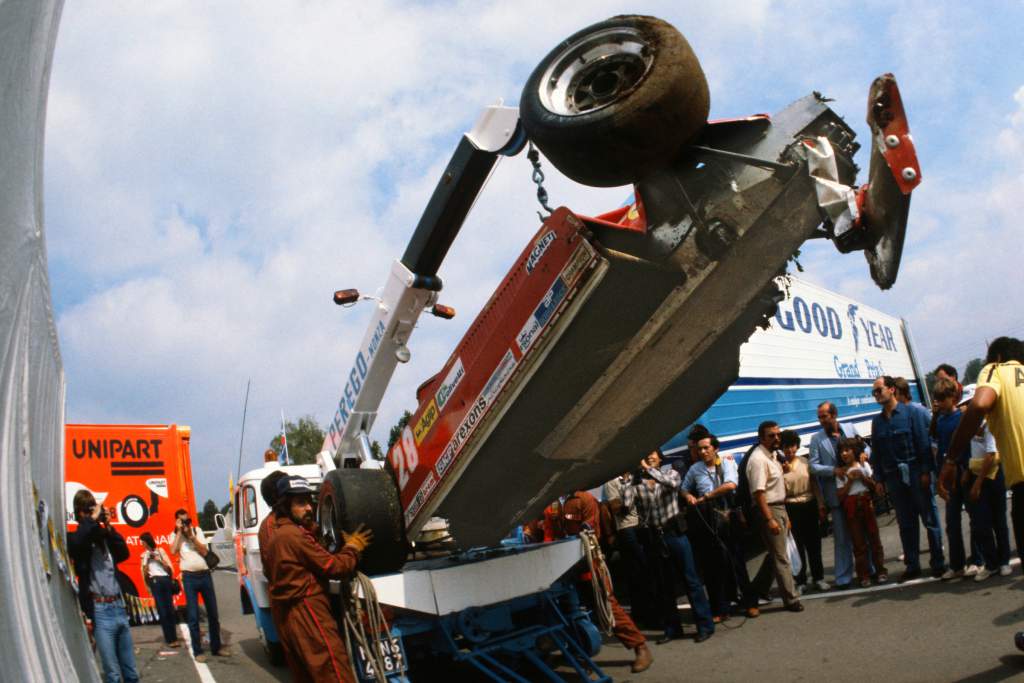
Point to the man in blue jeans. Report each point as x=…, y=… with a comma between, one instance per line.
x=902, y=454
x=95, y=549
x=656, y=496
x=197, y=581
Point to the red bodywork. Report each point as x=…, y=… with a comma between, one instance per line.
x=513, y=325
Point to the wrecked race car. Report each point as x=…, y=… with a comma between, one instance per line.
x=610, y=332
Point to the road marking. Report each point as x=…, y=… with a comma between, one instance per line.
x=201, y=668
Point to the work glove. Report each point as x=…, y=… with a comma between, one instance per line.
x=359, y=539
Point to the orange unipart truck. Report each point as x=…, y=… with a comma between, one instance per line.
x=143, y=472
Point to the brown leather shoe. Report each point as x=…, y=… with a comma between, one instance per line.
x=643, y=660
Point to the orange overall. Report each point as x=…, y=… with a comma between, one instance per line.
x=583, y=509
x=299, y=568
x=266, y=531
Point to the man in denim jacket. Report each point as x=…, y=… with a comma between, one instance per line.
x=824, y=462
x=901, y=454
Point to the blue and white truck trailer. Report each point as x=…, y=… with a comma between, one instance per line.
x=819, y=346
x=607, y=334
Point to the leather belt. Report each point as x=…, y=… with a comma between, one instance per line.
x=105, y=598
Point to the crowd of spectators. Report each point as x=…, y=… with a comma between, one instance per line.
x=691, y=525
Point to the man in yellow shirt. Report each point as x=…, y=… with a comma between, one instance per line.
x=999, y=396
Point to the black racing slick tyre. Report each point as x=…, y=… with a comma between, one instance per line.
x=616, y=101
x=350, y=497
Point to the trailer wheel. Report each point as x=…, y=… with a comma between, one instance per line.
x=350, y=497
x=616, y=101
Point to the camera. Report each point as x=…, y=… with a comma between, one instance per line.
x=186, y=522
x=102, y=517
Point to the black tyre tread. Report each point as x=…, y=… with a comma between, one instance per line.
x=625, y=141
x=369, y=497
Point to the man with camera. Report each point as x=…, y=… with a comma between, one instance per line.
x=197, y=580
x=96, y=549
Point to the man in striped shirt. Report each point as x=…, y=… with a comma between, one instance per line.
x=656, y=495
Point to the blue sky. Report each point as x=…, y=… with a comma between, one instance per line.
x=215, y=171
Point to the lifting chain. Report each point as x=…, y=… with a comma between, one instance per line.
x=538, y=177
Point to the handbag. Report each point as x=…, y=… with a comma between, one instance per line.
x=212, y=558
x=175, y=586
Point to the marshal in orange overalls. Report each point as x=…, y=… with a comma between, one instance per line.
x=300, y=568
x=582, y=510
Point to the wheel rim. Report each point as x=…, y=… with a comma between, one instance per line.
x=595, y=71
x=325, y=512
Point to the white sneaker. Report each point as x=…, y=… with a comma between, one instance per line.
x=1005, y=570
x=982, y=574
x=950, y=575
x=971, y=570
x=823, y=585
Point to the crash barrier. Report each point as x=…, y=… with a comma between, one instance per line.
x=42, y=636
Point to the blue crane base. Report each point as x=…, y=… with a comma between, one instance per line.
x=520, y=640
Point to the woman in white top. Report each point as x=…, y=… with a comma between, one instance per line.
x=158, y=575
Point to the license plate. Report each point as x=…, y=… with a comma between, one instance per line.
x=391, y=653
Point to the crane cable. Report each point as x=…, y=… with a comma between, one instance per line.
x=365, y=631
x=600, y=581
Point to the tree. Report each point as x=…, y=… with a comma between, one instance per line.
x=929, y=381
x=378, y=452
x=971, y=371
x=305, y=439
x=206, y=517
x=396, y=431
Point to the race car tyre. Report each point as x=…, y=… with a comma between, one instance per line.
x=350, y=497
x=616, y=101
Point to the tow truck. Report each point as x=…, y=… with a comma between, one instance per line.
x=606, y=335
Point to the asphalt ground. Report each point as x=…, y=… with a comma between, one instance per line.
x=924, y=631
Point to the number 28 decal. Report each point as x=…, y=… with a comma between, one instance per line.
x=404, y=457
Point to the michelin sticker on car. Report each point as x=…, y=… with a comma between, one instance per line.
x=500, y=376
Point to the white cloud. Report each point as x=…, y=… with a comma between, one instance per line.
x=214, y=173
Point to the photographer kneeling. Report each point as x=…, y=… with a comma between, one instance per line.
x=196, y=579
